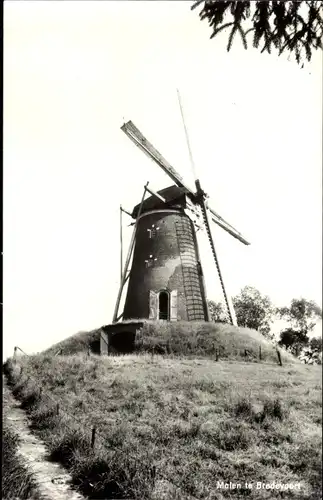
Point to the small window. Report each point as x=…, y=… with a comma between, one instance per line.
x=152, y=232
x=150, y=261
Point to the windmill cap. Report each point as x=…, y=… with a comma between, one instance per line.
x=175, y=197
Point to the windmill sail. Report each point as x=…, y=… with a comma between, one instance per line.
x=141, y=142
x=226, y=226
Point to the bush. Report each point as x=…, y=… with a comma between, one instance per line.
x=268, y=409
x=64, y=447
x=273, y=409
x=232, y=436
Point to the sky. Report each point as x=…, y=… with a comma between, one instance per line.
x=73, y=73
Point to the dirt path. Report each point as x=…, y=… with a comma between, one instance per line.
x=52, y=480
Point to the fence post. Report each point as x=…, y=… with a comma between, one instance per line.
x=57, y=409
x=279, y=357
x=260, y=353
x=93, y=437
x=153, y=473
x=216, y=355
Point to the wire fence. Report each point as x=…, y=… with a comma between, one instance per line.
x=96, y=434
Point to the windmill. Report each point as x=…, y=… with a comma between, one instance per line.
x=163, y=267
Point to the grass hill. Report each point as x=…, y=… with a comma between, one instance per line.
x=197, y=339
x=178, y=427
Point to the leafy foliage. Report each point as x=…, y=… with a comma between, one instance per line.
x=302, y=314
x=291, y=26
x=316, y=344
x=313, y=351
x=217, y=312
x=293, y=340
x=254, y=310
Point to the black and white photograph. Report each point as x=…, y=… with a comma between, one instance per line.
x=162, y=250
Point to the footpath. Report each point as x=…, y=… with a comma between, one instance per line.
x=53, y=481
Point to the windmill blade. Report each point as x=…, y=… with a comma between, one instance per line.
x=141, y=142
x=227, y=227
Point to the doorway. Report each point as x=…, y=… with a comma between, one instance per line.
x=163, y=305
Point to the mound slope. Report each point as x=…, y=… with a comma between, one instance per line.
x=198, y=339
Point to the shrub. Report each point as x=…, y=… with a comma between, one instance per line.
x=232, y=436
x=269, y=409
x=243, y=408
x=65, y=445
x=44, y=418
x=273, y=409
x=114, y=475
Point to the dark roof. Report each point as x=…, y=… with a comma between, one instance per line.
x=175, y=198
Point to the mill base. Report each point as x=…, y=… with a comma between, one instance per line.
x=119, y=337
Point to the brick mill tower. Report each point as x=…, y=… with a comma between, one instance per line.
x=166, y=279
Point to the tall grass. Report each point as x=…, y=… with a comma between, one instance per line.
x=173, y=427
x=204, y=339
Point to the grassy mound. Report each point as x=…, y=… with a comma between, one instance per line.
x=80, y=342
x=207, y=339
x=186, y=338
x=17, y=482
x=171, y=428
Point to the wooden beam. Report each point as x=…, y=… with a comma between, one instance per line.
x=227, y=298
x=193, y=208
x=126, y=266
x=125, y=211
x=121, y=246
x=142, y=143
x=186, y=135
x=226, y=226
x=156, y=194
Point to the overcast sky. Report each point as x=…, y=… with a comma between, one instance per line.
x=73, y=72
